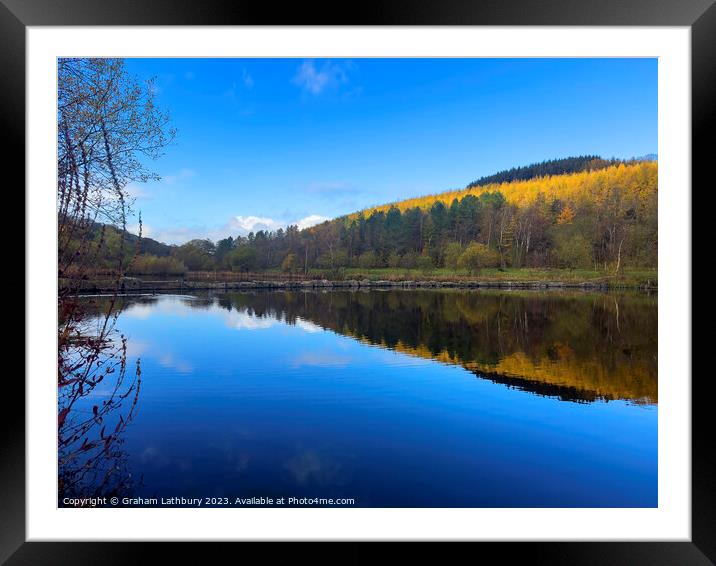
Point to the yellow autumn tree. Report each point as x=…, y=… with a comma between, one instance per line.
x=566, y=216
x=637, y=180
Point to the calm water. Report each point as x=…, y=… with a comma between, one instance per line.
x=444, y=398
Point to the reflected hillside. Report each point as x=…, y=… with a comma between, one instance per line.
x=575, y=346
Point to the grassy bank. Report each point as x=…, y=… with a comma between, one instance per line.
x=523, y=277
x=508, y=274
x=628, y=278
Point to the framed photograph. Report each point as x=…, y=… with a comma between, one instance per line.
x=424, y=275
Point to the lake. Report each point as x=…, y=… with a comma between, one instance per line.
x=392, y=398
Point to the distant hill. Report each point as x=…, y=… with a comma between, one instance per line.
x=581, y=212
x=604, y=215
x=147, y=245
x=545, y=168
x=589, y=183
x=151, y=246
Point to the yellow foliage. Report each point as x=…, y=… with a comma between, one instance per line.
x=566, y=216
x=634, y=180
x=635, y=381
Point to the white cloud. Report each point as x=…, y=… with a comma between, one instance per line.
x=178, y=235
x=245, y=224
x=242, y=320
x=136, y=191
x=180, y=176
x=134, y=229
x=234, y=226
x=311, y=220
x=307, y=326
x=169, y=361
x=182, y=234
x=253, y=223
x=248, y=79
x=233, y=93
x=314, y=80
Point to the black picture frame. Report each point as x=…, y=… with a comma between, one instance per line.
x=699, y=15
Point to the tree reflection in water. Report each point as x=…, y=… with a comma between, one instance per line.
x=97, y=399
x=573, y=345
x=108, y=129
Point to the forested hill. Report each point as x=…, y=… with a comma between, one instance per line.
x=111, y=237
x=516, y=180
x=546, y=168
x=603, y=217
x=149, y=245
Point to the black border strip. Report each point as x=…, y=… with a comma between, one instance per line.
x=16, y=15
x=367, y=12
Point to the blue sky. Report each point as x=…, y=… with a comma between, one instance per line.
x=267, y=142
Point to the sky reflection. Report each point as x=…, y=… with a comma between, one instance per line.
x=243, y=396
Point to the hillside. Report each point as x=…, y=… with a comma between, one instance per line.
x=602, y=217
x=107, y=243
x=545, y=168
x=113, y=234
x=638, y=178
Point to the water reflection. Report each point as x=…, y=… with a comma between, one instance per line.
x=576, y=346
x=397, y=398
x=97, y=398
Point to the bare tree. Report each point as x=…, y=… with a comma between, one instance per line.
x=108, y=130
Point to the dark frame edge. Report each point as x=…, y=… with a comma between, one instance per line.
x=14, y=549
x=12, y=118
x=703, y=460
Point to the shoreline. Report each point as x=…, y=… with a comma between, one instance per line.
x=135, y=284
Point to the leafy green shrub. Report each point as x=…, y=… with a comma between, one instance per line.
x=476, y=256
x=153, y=265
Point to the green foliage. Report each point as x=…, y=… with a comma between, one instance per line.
x=288, y=265
x=409, y=260
x=152, y=265
x=394, y=259
x=368, y=259
x=197, y=255
x=572, y=250
x=336, y=274
x=605, y=216
x=243, y=258
x=340, y=259
x=476, y=256
x=223, y=249
x=425, y=264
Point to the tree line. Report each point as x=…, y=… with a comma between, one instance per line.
x=594, y=344
x=546, y=168
x=603, y=219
